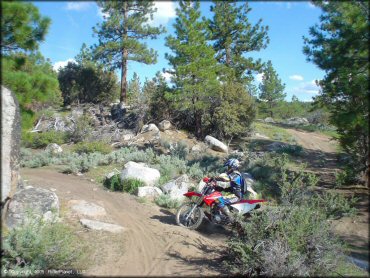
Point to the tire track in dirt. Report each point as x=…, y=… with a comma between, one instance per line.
x=153, y=244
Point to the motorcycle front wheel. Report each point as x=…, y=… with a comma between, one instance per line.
x=190, y=216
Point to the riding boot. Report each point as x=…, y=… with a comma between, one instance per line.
x=225, y=210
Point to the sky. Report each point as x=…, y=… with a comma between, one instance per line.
x=288, y=22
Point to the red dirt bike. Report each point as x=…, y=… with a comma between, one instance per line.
x=190, y=215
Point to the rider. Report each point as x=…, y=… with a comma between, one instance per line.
x=231, y=181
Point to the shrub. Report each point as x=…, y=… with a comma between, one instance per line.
x=180, y=150
x=295, y=150
x=91, y=147
x=166, y=201
x=41, y=140
x=286, y=241
x=131, y=185
x=114, y=183
x=37, y=245
x=83, y=129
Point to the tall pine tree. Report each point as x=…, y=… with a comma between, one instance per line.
x=121, y=35
x=271, y=88
x=193, y=62
x=234, y=36
x=339, y=45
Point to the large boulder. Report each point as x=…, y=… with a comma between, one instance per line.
x=81, y=207
x=269, y=120
x=297, y=121
x=199, y=148
x=216, y=144
x=10, y=145
x=149, y=176
x=164, y=125
x=149, y=127
x=177, y=187
x=148, y=191
x=38, y=201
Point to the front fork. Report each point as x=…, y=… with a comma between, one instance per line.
x=196, y=204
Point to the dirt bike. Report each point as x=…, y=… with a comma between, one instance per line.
x=190, y=215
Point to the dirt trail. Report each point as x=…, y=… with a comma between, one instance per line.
x=154, y=245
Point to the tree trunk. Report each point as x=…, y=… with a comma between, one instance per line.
x=123, y=96
x=198, y=124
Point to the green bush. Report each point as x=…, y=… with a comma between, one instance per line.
x=166, y=201
x=131, y=185
x=83, y=129
x=114, y=183
x=37, y=245
x=41, y=140
x=91, y=147
x=294, y=150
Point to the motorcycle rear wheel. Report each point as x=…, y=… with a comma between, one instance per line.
x=194, y=220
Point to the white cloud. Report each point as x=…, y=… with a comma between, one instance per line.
x=312, y=6
x=61, y=64
x=307, y=88
x=296, y=77
x=167, y=76
x=101, y=14
x=259, y=77
x=78, y=6
x=166, y=10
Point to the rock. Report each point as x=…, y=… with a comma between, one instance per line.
x=101, y=226
x=110, y=175
x=216, y=144
x=148, y=191
x=149, y=176
x=164, y=125
x=261, y=136
x=297, y=121
x=128, y=137
x=238, y=153
x=249, y=181
x=77, y=112
x=176, y=188
x=200, y=185
x=81, y=207
x=10, y=144
x=149, y=127
x=54, y=148
x=269, y=120
x=40, y=202
x=199, y=148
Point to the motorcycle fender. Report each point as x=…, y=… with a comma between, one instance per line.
x=243, y=208
x=191, y=194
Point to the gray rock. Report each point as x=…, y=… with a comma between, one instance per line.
x=54, y=148
x=261, y=136
x=149, y=127
x=149, y=176
x=128, y=136
x=297, y=121
x=199, y=148
x=200, y=185
x=269, y=120
x=101, y=226
x=10, y=144
x=216, y=144
x=110, y=175
x=176, y=188
x=164, y=125
x=77, y=112
x=149, y=191
x=249, y=181
x=237, y=153
x=81, y=207
x=40, y=202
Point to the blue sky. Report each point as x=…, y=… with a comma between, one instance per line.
x=288, y=22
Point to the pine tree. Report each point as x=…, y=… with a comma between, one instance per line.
x=134, y=90
x=121, y=35
x=22, y=26
x=193, y=62
x=271, y=88
x=339, y=45
x=234, y=37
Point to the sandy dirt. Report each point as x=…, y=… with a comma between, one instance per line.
x=153, y=244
